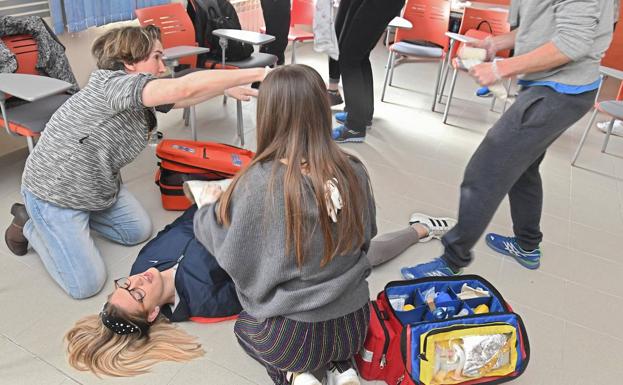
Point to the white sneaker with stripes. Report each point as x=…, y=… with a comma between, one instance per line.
x=437, y=226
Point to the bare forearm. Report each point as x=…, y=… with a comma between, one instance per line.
x=197, y=86
x=505, y=41
x=546, y=57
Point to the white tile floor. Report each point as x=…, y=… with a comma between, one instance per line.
x=572, y=306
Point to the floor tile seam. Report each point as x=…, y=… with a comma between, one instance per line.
x=41, y=359
x=594, y=228
x=609, y=335
x=230, y=370
x=181, y=367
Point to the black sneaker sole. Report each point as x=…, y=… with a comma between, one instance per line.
x=351, y=140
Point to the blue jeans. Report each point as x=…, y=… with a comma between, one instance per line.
x=62, y=238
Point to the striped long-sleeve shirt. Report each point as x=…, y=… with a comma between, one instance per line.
x=88, y=140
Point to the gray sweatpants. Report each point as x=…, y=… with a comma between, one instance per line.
x=507, y=162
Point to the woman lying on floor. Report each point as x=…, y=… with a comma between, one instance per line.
x=72, y=182
x=131, y=324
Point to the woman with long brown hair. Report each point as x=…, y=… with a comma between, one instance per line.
x=292, y=230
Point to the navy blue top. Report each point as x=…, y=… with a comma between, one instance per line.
x=204, y=289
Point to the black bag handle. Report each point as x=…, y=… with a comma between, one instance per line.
x=487, y=24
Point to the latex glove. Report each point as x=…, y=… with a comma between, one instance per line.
x=484, y=74
x=241, y=93
x=486, y=44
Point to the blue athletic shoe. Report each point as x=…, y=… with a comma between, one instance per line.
x=343, y=134
x=483, y=92
x=509, y=246
x=340, y=117
x=436, y=268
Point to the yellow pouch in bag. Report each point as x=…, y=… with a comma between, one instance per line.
x=467, y=352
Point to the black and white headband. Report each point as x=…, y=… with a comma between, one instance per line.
x=122, y=326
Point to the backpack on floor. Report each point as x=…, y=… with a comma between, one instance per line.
x=209, y=15
x=433, y=331
x=183, y=160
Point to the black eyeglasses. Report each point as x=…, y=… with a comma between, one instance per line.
x=136, y=293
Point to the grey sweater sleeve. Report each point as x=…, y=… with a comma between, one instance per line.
x=576, y=25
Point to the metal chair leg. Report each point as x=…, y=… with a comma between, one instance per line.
x=581, y=144
x=193, y=122
x=293, y=51
x=392, y=65
x=31, y=144
x=452, y=84
x=388, y=68
x=240, y=122
x=439, y=70
x=445, y=80
x=608, y=133
x=223, y=43
x=186, y=116
x=493, y=100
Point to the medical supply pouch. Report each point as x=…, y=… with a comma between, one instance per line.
x=443, y=330
x=183, y=160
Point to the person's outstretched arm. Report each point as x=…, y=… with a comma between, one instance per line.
x=197, y=86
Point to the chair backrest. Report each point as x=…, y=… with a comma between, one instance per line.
x=176, y=27
x=430, y=19
x=302, y=12
x=481, y=19
x=24, y=47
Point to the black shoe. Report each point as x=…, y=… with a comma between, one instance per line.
x=334, y=97
x=343, y=134
x=14, y=235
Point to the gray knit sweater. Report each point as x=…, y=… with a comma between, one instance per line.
x=580, y=29
x=268, y=281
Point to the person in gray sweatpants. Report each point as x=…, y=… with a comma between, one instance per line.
x=558, y=48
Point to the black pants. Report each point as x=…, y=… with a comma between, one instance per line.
x=364, y=24
x=277, y=18
x=334, y=65
x=507, y=162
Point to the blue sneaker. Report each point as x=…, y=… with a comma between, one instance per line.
x=340, y=117
x=509, y=246
x=436, y=268
x=483, y=92
x=343, y=134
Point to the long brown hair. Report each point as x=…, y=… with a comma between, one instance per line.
x=91, y=346
x=294, y=125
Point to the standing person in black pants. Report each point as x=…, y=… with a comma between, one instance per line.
x=334, y=66
x=277, y=19
x=363, y=26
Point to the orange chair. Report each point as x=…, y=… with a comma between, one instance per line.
x=472, y=24
x=176, y=29
x=27, y=119
x=612, y=108
x=302, y=13
x=425, y=41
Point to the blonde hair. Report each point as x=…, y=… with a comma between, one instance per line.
x=91, y=346
x=124, y=45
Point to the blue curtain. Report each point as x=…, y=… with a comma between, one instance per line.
x=82, y=14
